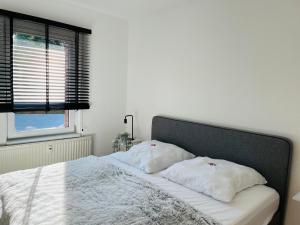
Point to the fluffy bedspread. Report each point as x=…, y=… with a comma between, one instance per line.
x=89, y=191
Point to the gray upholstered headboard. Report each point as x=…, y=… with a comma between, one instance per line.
x=267, y=154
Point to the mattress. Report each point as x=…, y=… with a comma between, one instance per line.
x=255, y=205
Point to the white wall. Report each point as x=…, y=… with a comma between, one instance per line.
x=108, y=63
x=229, y=62
x=232, y=63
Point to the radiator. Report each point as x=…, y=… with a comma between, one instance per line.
x=25, y=156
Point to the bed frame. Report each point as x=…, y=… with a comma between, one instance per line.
x=269, y=155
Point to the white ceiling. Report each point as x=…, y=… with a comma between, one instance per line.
x=127, y=8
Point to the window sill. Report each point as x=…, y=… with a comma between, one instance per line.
x=42, y=138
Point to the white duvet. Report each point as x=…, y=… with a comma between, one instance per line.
x=90, y=191
x=253, y=206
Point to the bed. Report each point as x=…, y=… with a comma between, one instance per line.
x=68, y=193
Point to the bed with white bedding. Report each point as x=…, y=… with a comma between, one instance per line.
x=104, y=190
x=94, y=190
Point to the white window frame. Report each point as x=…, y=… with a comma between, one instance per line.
x=13, y=134
x=3, y=128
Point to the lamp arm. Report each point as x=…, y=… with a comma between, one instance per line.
x=131, y=125
x=132, y=128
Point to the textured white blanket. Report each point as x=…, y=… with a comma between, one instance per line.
x=89, y=191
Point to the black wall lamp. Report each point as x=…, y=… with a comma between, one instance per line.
x=125, y=121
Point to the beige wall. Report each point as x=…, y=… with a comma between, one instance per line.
x=108, y=63
x=233, y=63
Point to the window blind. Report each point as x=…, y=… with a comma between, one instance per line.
x=44, y=65
x=5, y=65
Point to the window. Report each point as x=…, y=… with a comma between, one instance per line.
x=44, y=74
x=29, y=65
x=39, y=121
x=30, y=124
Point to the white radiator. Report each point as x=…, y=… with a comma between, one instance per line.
x=25, y=156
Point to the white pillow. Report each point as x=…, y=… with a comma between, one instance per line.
x=219, y=179
x=153, y=156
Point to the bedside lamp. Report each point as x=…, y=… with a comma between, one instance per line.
x=297, y=197
x=125, y=121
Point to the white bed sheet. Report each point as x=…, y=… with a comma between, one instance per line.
x=254, y=206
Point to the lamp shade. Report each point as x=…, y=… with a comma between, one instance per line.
x=297, y=197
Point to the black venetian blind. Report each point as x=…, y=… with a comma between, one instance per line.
x=44, y=65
